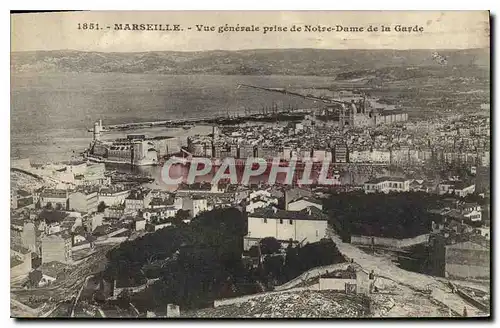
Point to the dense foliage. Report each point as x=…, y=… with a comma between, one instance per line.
x=393, y=215
x=220, y=230
x=193, y=264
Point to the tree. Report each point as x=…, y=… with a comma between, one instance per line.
x=180, y=216
x=101, y=207
x=48, y=206
x=124, y=298
x=269, y=245
x=253, y=251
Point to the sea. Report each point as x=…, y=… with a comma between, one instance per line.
x=50, y=113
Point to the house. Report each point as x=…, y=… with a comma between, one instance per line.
x=52, y=228
x=78, y=239
x=162, y=225
x=387, y=184
x=114, y=212
x=467, y=260
x=140, y=224
x=195, y=205
x=197, y=188
x=56, y=197
x=308, y=225
x=259, y=194
x=458, y=211
x=259, y=203
x=84, y=201
x=422, y=185
x=91, y=175
x=485, y=232
x=46, y=280
x=30, y=236
x=57, y=247
x=158, y=202
x=471, y=211
x=458, y=188
x=303, y=203
x=20, y=261
x=295, y=193
x=137, y=200
x=160, y=213
x=113, y=196
x=70, y=223
x=13, y=199
x=94, y=220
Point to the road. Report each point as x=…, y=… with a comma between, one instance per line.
x=416, y=281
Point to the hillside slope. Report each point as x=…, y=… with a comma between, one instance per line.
x=293, y=304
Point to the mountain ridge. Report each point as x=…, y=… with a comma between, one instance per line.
x=306, y=61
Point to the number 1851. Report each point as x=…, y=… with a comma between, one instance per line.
x=88, y=26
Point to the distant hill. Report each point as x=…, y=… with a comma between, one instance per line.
x=320, y=62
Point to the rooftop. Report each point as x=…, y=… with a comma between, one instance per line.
x=138, y=194
x=383, y=179
x=54, y=193
x=456, y=184
x=19, y=249
x=14, y=261
x=309, y=199
x=311, y=213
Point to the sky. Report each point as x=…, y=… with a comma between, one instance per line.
x=57, y=31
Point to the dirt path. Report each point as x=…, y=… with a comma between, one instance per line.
x=416, y=281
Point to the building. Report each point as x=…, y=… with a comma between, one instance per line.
x=308, y=225
x=58, y=198
x=137, y=200
x=84, y=201
x=387, y=184
x=162, y=225
x=30, y=237
x=20, y=261
x=166, y=145
x=296, y=193
x=340, y=153
x=459, y=188
x=140, y=224
x=112, y=196
x=13, y=199
x=161, y=202
x=57, y=247
x=195, y=205
x=303, y=203
x=467, y=260
x=94, y=220
x=259, y=202
x=114, y=212
x=135, y=149
x=93, y=175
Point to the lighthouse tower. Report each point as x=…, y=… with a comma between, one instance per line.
x=97, y=130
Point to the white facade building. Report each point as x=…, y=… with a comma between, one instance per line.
x=194, y=205
x=387, y=184
x=306, y=226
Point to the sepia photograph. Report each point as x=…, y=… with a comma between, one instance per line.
x=250, y=164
